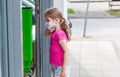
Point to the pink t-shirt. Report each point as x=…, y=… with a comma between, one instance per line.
x=56, y=51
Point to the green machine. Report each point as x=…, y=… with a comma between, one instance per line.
x=27, y=38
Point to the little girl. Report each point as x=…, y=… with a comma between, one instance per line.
x=58, y=31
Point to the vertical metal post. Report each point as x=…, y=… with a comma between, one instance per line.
x=4, y=48
x=14, y=29
x=38, y=39
x=0, y=41
x=45, y=4
x=41, y=41
x=86, y=18
x=12, y=63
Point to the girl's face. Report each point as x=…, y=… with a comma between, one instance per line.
x=55, y=22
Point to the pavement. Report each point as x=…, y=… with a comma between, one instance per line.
x=92, y=57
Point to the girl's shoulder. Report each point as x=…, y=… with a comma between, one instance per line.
x=60, y=32
x=61, y=35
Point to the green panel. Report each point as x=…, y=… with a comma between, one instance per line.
x=27, y=67
x=27, y=33
x=27, y=63
x=27, y=70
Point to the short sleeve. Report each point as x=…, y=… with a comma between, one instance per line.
x=61, y=36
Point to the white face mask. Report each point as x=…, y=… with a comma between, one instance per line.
x=49, y=25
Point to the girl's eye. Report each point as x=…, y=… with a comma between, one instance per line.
x=47, y=20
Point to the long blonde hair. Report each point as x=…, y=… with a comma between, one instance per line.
x=56, y=13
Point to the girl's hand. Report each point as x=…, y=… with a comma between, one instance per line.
x=48, y=32
x=62, y=73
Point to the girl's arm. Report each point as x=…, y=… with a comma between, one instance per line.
x=64, y=45
x=48, y=33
